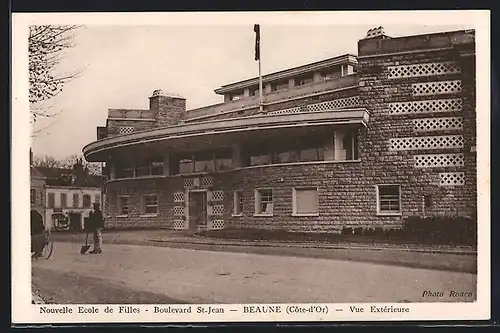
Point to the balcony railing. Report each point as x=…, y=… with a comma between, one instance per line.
x=275, y=96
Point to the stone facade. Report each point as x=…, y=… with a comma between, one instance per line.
x=420, y=94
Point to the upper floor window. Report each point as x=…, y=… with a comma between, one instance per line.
x=204, y=161
x=51, y=200
x=346, y=145
x=64, y=200
x=124, y=170
x=149, y=167
x=76, y=200
x=223, y=159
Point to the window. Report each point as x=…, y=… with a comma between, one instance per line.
x=238, y=203
x=86, y=201
x=264, y=202
x=204, y=161
x=123, y=207
x=305, y=201
x=97, y=199
x=223, y=159
x=346, y=145
x=76, y=200
x=51, y=200
x=157, y=166
x=389, y=199
x=150, y=204
x=142, y=168
x=33, y=196
x=124, y=170
x=64, y=200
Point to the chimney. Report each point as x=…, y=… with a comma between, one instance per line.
x=167, y=109
x=31, y=157
x=377, y=32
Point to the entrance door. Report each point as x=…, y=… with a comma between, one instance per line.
x=75, y=221
x=197, y=209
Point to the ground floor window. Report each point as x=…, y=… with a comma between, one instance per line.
x=388, y=199
x=123, y=205
x=33, y=196
x=238, y=203
x=86, y=201
x=264, y=201
x=150, y=204
x=305, y=201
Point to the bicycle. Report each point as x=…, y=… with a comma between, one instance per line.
x=48, y=247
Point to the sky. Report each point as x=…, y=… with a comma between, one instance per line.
x=122, y=65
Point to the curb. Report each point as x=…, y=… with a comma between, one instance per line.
x=317, y=246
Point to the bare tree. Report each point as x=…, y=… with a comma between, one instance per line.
x=46, y=161
x=46, y=47
x=91, y=168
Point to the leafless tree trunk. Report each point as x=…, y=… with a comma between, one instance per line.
x=46, y=47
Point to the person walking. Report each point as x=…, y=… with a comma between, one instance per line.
x=96, y=224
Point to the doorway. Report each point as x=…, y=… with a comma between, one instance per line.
x=75, y=221
x=197, y=209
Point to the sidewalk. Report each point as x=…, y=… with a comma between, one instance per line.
x=458, y=259
x=195, y=239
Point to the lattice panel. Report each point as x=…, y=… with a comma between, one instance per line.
x=217, y=196
x=206, y=181
x=179, y=197
x=178, y=210
x=216, y=224
x=179, y=224
x=188, y=182
x=435, y=88
x=216, y=210
x=125, y=129
x=427, y=142
x=439, y=160
x=335, y=104
x=438, y=124
x=452, y=179
x=287, y=111
x=436, y=105
x=436, y=68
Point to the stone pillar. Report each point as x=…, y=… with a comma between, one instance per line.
x=318, y=77
x=246, y=92
x=267, y=88
x=166, y=164
x=291, y=83
x=236, y=156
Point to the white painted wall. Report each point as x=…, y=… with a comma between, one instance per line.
x=69, y=191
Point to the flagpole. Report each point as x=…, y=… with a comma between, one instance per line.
x=261, y=98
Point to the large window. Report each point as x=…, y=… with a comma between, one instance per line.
x=123, y=205
x=264, y=202
x=124, y=170
x=51, y=200
x=149, y=167
x=33, y=196
x=388, y=199
x=150, y=204
x=346, y=145
x=204, y=161
x=86, y=201
x=223, y=159
x=64, y=200
x=305, y=201
x=238, y=203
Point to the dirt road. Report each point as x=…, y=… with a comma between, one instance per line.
x=193, y=276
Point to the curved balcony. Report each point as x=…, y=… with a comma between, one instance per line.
x=221, y=133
